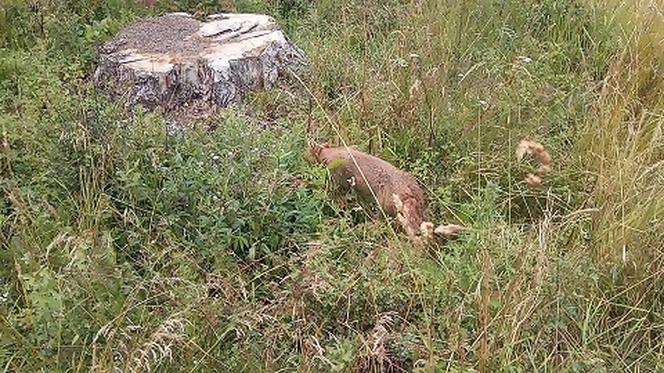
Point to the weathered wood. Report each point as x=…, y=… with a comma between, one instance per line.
x=175, y=60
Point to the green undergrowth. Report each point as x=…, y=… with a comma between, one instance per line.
x=128, y=246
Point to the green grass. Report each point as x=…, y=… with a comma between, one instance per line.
x=221, y=248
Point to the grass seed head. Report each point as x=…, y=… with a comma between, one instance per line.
x=522, y=149
x=543, y=170
x=544, y=157
x=534, y=181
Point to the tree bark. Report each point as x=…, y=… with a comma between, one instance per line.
x=174, y=61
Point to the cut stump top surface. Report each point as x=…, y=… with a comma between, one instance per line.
x=173, y=60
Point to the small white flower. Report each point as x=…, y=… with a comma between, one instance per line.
x=484, y=104
x=133, y=328
x=215, y=157
x=401, y=62
x=415, y=87
x=525, y=59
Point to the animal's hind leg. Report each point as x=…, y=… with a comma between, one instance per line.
x=405, y=213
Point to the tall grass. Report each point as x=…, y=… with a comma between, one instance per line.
x=621, y=146
x=126, y=246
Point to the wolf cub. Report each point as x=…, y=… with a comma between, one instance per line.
x=397, y=192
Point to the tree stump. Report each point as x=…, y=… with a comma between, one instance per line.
x=176, y=61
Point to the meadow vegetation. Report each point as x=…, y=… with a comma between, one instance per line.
x=125, y=245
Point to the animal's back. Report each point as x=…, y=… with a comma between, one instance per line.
x=385, y=180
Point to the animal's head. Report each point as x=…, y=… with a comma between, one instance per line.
x=315, y=151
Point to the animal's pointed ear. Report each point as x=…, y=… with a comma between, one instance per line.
x=315, y=150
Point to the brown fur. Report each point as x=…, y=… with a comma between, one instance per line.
x=385, y=180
